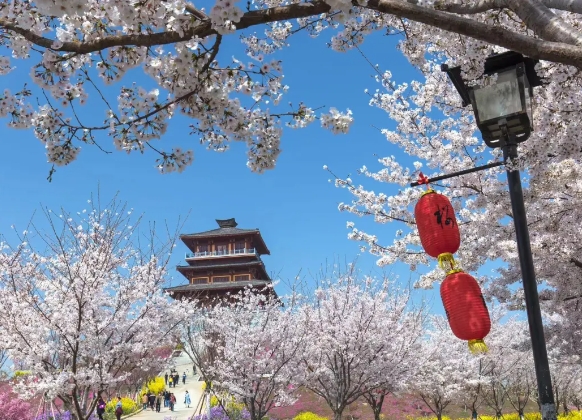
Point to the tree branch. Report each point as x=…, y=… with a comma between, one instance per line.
x=559, y=52
x=544, y=22
x=576, y=262
x=253, y=18
x=531, y=47
x=573, y=6
x=195, y=12
x=470, y=9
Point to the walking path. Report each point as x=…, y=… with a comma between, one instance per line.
x=182, y=364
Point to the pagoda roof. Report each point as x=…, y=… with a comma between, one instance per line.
x=228, y=227
x=218, y=286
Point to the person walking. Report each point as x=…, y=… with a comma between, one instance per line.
x=184, y=378
x=144, y=401
x=187, y=400
x=176, y=379
x=118, y=408
x=172, y=401
x=166, y=398
x=171, y=380
x=166, y=378
x=158, y=402
x=152, y=400
x=100, y=408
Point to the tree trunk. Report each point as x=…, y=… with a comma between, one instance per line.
x=439, y=415
x=337, y=414
x=565, y=405
x=474, y=414
x=521, y=416
x=377, y=412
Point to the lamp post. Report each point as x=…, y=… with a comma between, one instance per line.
x=503, y=111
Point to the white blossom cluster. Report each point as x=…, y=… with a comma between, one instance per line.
x=227, y=101
x=225, y=15
x=82, y=45
x=347, y=338
x=354, y=337
x=86, y=309
x=87, y=312
x=433, y=129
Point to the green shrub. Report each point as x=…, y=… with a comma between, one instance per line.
x=308, y=415
x=127, y=404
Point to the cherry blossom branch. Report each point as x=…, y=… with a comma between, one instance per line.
x=560, y=52
x=535, y=48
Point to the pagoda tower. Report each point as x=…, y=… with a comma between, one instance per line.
x=222, y=261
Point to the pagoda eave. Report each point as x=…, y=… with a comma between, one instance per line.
x=224, y=288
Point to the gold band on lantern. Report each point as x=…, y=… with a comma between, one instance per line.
x=429, y=191
x=448, y=264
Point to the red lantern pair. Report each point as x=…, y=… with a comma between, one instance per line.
x=462, y=298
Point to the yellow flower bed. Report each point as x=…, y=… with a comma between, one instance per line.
x=308, y=415
x=127, y=404
x=155, y=386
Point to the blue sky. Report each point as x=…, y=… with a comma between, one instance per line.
x=294, y=206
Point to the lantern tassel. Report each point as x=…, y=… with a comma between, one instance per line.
x=478, y=346
x=447, y=263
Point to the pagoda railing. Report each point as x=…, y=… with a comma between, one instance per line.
x=206, y=254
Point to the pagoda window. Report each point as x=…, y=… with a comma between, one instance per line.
x=221, y=279
x=221, y=249
x=200, y=280
x=242, y=277
x=202, y=248
x=239, y=247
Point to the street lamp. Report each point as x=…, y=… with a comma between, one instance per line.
x=503, y=111
x=507, y=101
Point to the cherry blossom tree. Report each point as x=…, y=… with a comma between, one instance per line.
x=197, y=338
x=576, y=394
x=445, y=366
x=565, y=371
x=521, y=384
x=363, y=336
x=80, y=46
x=439, y=136
x=260, y=345
x=79, y=304
x=136, y=375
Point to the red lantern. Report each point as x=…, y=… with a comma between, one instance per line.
x=466, y=309
x=437, y=225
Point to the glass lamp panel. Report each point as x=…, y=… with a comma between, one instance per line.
x=528, y=101
x=499, y=99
